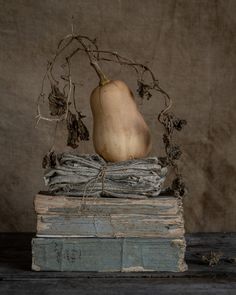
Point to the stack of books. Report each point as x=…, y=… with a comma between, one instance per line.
x=108, y=234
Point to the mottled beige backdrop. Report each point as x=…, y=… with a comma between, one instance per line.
x=190, y=44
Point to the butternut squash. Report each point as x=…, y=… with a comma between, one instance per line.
x=119, y=130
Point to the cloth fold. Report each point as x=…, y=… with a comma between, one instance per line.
x=91, y=175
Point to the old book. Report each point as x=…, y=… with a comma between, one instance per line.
x=64, y=216
x=108, y=254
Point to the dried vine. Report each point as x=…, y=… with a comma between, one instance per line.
x=62, y=102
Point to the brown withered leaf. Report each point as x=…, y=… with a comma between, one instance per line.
x=72, y=128
x=178, y=187
x=163, y=161
x=171, y=122
x=144, y=90
x=57, y=101
x=173, y=152
x=179, y=124
x=82, y=129
x=212, y=258
x=49, y=160
x=76, y=130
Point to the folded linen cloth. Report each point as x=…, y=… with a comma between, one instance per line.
x=91, y=175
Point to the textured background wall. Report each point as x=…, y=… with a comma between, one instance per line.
x=189, y=43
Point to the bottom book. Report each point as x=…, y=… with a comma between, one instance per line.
x=108, y=254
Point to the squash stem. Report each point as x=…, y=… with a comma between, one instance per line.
x=103, y=79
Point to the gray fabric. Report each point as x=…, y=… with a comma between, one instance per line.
x=90, y=175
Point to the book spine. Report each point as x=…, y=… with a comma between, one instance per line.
x=166, y=206
x=108, y=255
x=114, y=225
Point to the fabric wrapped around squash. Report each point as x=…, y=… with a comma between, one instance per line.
x=90, y=175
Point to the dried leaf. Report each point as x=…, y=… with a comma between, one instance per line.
x=171, y=122
x=179, y=123
x=76, y=130
x=178, y=187
x=49, y=160
x=173, y=152
x=213, y=258
x=82, y=129
x=57, y=101
x=166, y=140
x=163, y=161
x=143, y=90
x=72, y=127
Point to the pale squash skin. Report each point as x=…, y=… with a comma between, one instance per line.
x=119, y=130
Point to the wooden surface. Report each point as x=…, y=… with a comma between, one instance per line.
x=108, y=217
x=17, y=278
